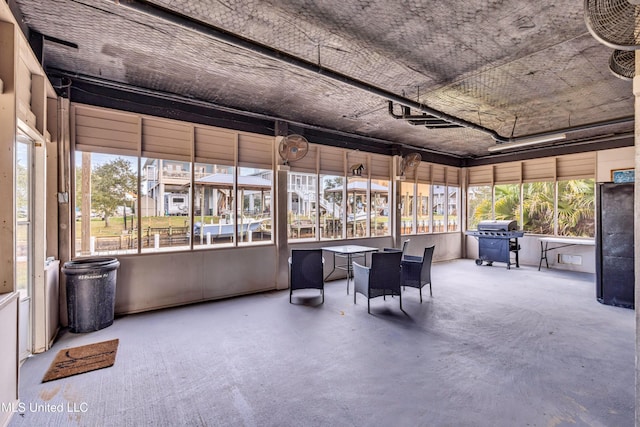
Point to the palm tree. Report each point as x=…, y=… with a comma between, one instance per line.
x=576, y=208
x=480, y=207
x=537, y=207
x=506, y=206
x=507, y=202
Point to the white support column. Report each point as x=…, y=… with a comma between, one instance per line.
x=280, y=228
x=395, y=214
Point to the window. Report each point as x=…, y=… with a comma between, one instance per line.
x=480, y=206
x=380, y=197
x=24, y=226
x=301, y=205
x=571, y=213
x=331, y=206
x=254, y=192
x=427, y=208
x=507, y=202
x=105, y=199
x=537, y=207
x=212, y=205
x=407, y=197
x=423, y=211
x=556, y=197
x=197, y=186
x=576, y=208
x=439, y=208
x=453, y=201
x=165, y=191
x=106, y=187
x=365, y=215
x=357, y=207
x=505, y=205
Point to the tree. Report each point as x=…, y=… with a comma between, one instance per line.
x=22, y=190
x=480, y=207
x=507, y=202
x=576, y=207
x=110, y=184
x=538, y=207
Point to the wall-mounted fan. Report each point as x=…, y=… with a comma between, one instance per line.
x=292, y=148
x=613, y=22
x=409, y=163
x=623, y=64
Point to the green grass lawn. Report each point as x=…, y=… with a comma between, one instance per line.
x=116, y=224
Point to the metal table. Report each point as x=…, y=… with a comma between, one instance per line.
x=349, y=252
x=563, y=242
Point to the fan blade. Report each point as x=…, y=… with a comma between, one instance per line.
x=293, y=147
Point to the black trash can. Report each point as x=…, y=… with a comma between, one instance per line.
x=91, y=293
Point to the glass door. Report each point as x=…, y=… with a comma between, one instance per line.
x=24, y=237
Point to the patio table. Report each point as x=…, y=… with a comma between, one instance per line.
x=349, y=252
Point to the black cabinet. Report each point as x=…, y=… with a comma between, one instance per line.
x=615, y=280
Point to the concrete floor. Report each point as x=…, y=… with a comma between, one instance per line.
x=492, y=347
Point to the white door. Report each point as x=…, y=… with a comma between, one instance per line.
x=24, y=239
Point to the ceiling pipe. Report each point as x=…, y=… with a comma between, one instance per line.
x=424, y=119
x=208, y=30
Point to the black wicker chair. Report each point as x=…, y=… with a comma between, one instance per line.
x=379, y=280
x=416, y=271
x=306, y=270
x=405, y=245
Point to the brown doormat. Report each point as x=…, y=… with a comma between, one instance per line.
x=78, y=360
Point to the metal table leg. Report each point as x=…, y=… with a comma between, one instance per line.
x=543, y=254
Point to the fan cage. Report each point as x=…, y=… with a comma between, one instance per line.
x=410, y=162
x=293, y=147
x=622, y=64
x=613, y=23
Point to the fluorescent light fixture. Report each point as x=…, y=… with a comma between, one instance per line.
x=525, y=142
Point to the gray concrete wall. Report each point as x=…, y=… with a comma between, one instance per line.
x=448, y=245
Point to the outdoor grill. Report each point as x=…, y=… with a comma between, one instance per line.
x=496, y=241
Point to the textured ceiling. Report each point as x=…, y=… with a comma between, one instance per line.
x=514, y=67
